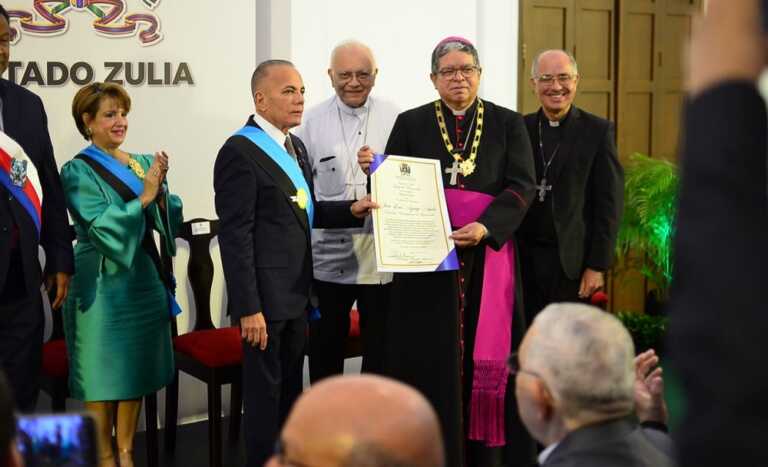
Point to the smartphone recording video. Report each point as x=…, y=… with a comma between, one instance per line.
x=61, y=440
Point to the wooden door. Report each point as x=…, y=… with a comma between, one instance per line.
x=544, y=24
x=594, y=49
x=653, y=34
x=652, y=37
x=675, y=24
x=586, y=28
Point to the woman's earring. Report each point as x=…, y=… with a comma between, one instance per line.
x=89, y=132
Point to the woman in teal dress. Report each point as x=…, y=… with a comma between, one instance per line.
x=118, y=311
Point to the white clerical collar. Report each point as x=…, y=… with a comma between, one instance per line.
x=270, y=129
x=460, y=112
x=356, y=111
x=556, y=123
x=544, y=455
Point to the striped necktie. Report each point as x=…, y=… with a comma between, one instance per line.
x=289, y=146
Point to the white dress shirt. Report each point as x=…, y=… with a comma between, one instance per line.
x=544, y=455
x=271, y=130
x=333, y=132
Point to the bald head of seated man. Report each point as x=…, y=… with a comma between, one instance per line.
x=361, y=421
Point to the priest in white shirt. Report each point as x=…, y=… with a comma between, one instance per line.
x=344, y=262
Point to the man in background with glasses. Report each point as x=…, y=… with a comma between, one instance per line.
x=344, y=262
x=568, y=237
x=578, y=385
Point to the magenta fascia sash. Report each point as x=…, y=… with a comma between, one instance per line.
x=493, y=339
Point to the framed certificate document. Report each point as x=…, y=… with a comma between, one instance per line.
x=411, y=228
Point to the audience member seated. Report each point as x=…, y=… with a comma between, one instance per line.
x=361, y=421
x=9, y=455
x=577, y=380
x=650, y=406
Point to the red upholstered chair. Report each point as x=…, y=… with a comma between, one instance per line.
x=55, y=372
x=211, y=355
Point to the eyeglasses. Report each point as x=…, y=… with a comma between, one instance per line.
x=513, y=363
x=363, y=77
x=466, y=72
x=563, y=78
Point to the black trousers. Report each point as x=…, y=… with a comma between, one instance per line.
x=272, y=381
x=328, y=334
x=544, y=280
x=21, y=337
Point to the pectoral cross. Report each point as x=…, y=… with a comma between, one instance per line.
x=543, y=188
x=454, y=171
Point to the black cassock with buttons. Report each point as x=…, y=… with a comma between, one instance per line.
x=431, y=332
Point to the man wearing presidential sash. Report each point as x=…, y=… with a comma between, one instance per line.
x=32, y=214
x=266, y=206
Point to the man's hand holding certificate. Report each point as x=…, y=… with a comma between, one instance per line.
x=412, y=231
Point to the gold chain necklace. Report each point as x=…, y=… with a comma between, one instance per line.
x=136, y=168
x=133, y=164
x=467, y=166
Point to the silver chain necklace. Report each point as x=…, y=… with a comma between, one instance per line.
x=542, y=188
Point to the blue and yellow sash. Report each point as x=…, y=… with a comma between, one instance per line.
x=287, y=164
x=129, y=187
x=123, y=173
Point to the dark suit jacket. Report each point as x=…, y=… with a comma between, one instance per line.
x=587, y=189
x=25, y=121
x=264, y=237
x=719, y=297
x=618, y=443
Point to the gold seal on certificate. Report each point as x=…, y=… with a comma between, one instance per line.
x=411, y=227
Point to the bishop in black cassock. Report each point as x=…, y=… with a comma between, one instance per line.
x=434, y=317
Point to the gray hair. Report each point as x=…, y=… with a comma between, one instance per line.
x=351, y=43
x=535, y=64
x=262, y=70
x=586, y=357
x=443, y=48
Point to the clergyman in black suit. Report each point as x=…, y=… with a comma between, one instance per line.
x=568, y=236
x=266, y=207
x=575, y=381
x=21, y=308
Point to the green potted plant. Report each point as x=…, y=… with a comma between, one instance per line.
x=647, y=331
x=644, y=242
x=645, y=235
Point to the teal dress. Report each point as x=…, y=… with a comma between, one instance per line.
x=116, y=315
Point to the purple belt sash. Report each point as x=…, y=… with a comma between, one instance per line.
x=493, y=339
